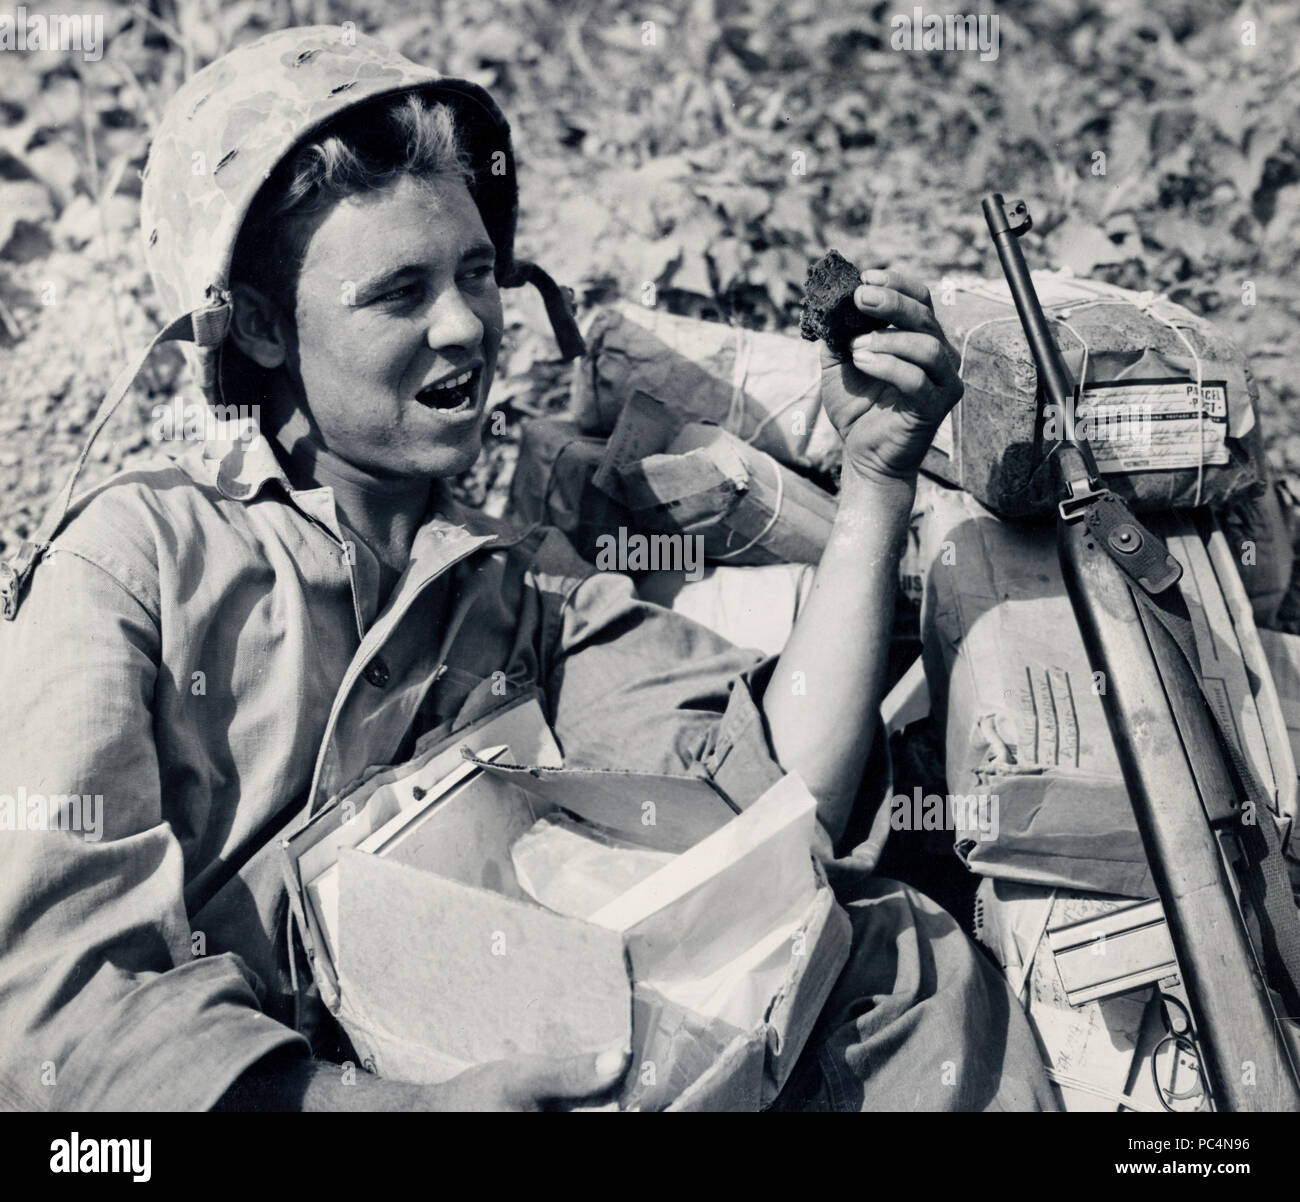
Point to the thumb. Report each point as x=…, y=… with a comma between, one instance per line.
x=831, y=360
x=575, y=1077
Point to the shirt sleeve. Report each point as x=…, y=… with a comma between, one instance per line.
x=102, y=1003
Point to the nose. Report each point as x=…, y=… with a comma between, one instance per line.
x=452, y=323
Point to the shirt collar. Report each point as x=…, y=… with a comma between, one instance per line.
x=244, y=466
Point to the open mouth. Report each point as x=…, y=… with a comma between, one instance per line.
x=458, y=394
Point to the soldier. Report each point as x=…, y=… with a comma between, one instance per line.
x=219, y=643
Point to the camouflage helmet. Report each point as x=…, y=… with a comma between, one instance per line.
x=228, y=127
x=223, y=135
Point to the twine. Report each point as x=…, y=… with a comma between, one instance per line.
x=776, y=513
x=739, y=370
x=1103, y=295
x=735, y=421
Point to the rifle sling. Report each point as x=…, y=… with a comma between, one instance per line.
x=1272, y=916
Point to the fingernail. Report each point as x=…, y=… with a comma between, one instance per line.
x=610, y=1061
x=871, y=297
x=874, y=275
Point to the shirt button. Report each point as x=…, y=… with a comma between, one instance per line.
x=376, y=672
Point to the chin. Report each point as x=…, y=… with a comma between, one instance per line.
x=452, y=460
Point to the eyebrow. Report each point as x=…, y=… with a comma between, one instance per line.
x=479, y=250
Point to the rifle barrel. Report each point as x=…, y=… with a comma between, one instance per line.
x=1054, y=376
x=1243, y=1049
x=1168, y=752
x=1051, y=367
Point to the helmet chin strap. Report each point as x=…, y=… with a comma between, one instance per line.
x=207, y=327
x=558, y=302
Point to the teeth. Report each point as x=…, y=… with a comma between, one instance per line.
x=458, y=382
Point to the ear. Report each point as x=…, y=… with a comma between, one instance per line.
x=257, y=326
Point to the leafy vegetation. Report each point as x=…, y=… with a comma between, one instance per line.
x=707, y=148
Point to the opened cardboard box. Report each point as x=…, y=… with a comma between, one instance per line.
x=712, y=966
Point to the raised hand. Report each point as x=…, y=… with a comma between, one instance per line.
x=889, y=399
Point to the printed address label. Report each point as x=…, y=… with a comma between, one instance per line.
x=1154, y=425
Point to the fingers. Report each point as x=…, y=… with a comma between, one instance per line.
x=570, y=1078
x=932, y=355
x=897, y=299
x=906, y=284
x=909, y=379
x=895, y=308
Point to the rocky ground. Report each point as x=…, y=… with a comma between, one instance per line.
x=710, y=147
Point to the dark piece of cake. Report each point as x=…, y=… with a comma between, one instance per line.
x=828, y=309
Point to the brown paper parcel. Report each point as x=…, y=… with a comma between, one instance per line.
x=764, y=387
x=750, y=607
x=992, y=446
x=1095, y=1053
x=444, y=962
x=553, y=483
x=748, y=508
x=1022, y=712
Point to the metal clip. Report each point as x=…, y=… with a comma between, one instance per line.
x=1142, y=556
x=13, y=576
x=1082, y=494
x=1181, y=1035
x=1114, y=953
x=1017, y=217
x=8, y=591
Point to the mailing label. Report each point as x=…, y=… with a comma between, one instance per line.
x=1150, y=425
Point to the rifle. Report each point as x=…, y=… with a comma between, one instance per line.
x=1209, y=835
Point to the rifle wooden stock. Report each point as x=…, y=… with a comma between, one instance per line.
x=1178, y=783
x=1148, y=691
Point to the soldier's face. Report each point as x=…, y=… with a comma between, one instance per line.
x=399, y=322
